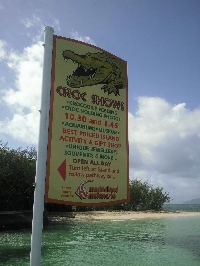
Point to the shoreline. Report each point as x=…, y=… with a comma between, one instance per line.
x=12, y=221
x=115, y=216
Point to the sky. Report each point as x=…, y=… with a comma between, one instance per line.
x=159, y=40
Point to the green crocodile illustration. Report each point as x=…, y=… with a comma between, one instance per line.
x=96, y=68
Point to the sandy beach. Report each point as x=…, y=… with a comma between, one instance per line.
x=116, y=216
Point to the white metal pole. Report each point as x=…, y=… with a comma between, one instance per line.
x=38, y=206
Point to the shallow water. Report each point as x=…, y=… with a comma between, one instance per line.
x=159, y=242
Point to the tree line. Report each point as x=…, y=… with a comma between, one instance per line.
x=17, y=177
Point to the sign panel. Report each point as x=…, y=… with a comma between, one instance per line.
x=87, y=162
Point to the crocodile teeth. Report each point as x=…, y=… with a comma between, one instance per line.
x=81, y=82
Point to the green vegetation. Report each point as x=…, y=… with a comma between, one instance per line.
x=17, y=175
x=144, y=197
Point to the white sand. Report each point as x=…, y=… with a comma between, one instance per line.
x=117, y=216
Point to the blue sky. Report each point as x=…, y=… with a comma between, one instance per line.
x=159, y=40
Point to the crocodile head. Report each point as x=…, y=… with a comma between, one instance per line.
x=93, y=69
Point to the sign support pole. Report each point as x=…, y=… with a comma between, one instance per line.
x=38, y=206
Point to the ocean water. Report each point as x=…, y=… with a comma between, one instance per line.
x=150, y=242
x=182, y=207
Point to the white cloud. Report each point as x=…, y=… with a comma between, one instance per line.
x=2, y=50
x=165, y=144
x=56, y=25
x=23, y=98
x=165, y=136
x=22, y=127
x=36, y=26
x=27, y=22
x=36, y=22
x=77, y=36
x=27, y=67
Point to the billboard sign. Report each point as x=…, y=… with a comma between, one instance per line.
x=87, y=161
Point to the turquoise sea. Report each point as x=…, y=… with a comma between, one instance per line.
x=156, y=242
